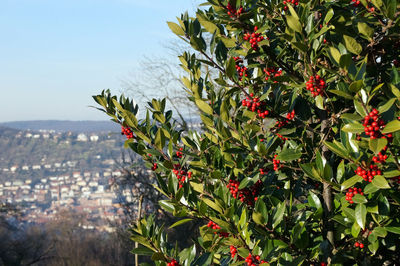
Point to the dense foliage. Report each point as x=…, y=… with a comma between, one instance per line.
x=298, y=161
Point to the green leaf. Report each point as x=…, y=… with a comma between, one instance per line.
x=350, y=182
x=208, y=26
x=319, y=102
x=175, y=28
x=335, y=54
x=294, y=23
x=231, y=67
x=377, y=3
x=328, y=16
x=359, y=108
x=167, y=205
x=386, y=106
x=395, y=230
x=337, y=149
x=370, y=189
x=392, y=126
x=380, y=182
x=353, y=128
x=342, y=94
x=288, y=155
x=279, y=214
x=349, y=116
x=355, y=229
x=365, y=30
x=356, y=86
x=183, y=221
x=352, y=45
x=213, y=205
x=258, y=218
x=392, y=173
x=358, y=198
x=314, y=200
x=142, y=251
x=376, y=145
x=310, y=171
x=203, y=106
x=361, y=215
x=159, y=140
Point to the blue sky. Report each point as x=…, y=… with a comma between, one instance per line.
x=56, y=54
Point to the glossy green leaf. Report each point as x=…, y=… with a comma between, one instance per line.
x=203, y=106
x=393, y=229
x=365, y=30
x=356, y=86
x=294, y=23
x=142, y=251
x=213, y=205
x=288, y=155
x=337, y=149
x=386, y=106
x=352, y=45
x=335, y=54
x=278, y=217
x=180, y=222
x=358, y=198
x=392, y=126
x=376, y=145
x=231, y=67
x=380, y=182
x=350, y=182
x=361, y=214
x=353, y=128
x=175, y=28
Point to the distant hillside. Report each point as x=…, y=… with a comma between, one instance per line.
x=64, y=126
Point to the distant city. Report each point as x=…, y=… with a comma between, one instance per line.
x=45, y=171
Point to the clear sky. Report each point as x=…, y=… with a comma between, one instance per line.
x=56, y=54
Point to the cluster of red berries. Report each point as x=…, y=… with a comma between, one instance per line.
x=245, y=195
x=233, y=251
x=215, y=226
x=351, y=192
x=181, y=174
x=381, y=156
x=293, y=2
x=281, y=137
x=240, y=68
x=315, y=85
x=289, y=117
x=232, y=12
x=359, y=245
x=254, y=38
x=357, y=3
x=173, y=263
x=255, y=105
x=179, y=153
x=368, y=175
x=272, y=72
x=250, y=259
x=254, y=260
x=277, y=163
x=263, y=171
x=373, y=124
x=154, y=167
x=127, y=132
